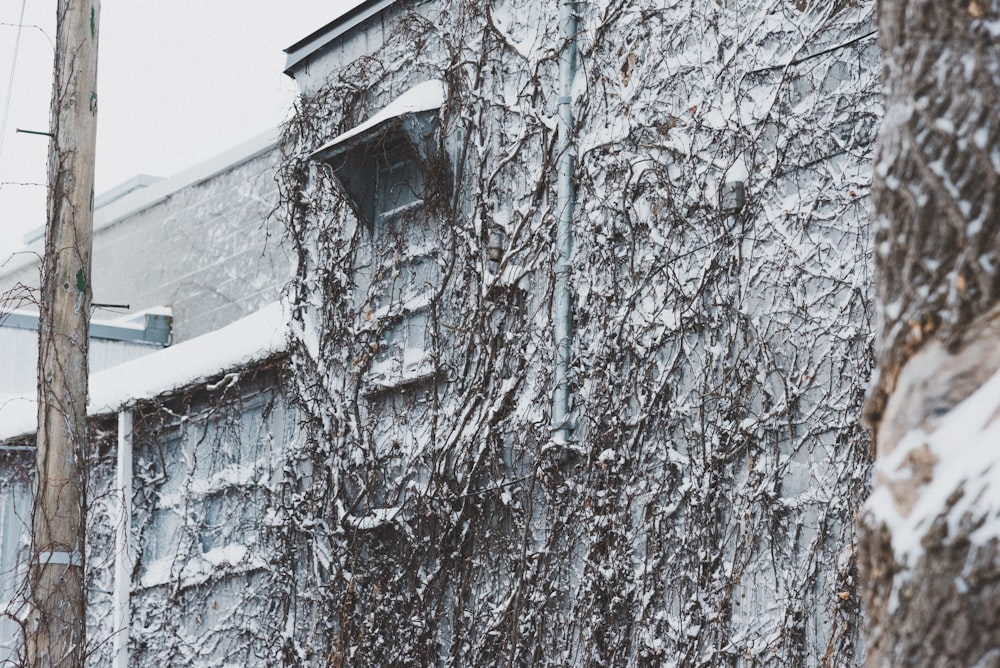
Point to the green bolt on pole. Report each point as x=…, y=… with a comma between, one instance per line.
x=35, y=132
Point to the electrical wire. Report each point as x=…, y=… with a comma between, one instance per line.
x=10, y=85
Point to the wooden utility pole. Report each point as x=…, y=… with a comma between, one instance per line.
x=57, y=625
x=928, y=554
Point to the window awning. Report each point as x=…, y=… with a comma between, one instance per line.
x=427, y=96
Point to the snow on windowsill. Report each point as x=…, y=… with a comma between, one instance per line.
x=199, y=568
x=396, y=310
x=374, y=518
x=510, y=276
x=256, y=337
x=416, y=368
x=230, y=477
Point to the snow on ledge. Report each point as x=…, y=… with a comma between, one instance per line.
x=425, y=96
x=253, y=338
x=199, y=568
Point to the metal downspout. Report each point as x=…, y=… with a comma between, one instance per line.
x=123, y=542
x=565, y=202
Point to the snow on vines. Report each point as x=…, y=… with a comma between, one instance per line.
x=703, y=514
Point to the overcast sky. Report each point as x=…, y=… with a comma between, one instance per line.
x=179, y=81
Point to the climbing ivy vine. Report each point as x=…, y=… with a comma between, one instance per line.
x=703, y=513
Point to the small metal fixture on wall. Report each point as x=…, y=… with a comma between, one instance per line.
x=495, y=246
x=733, y=196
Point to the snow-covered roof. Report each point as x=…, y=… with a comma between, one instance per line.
x=253, y=338
x=425, y=96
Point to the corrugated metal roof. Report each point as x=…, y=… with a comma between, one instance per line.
x=20, y=352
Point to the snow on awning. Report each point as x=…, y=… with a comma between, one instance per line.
x=423, y=97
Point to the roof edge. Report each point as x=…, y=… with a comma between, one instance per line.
x=144, y=198
x=256, y=338
x=139, y=199
x=308, y=46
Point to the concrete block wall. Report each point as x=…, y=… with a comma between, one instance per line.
x=205, y=244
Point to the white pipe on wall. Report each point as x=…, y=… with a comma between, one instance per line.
x=123, y=542
x=565, y=201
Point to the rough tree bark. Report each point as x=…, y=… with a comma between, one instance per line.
x=937, y=214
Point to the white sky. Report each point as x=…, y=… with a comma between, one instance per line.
x=179, y=81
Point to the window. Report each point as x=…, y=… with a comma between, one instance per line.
x=200, y=487
x=382, y=167
x=405, y=269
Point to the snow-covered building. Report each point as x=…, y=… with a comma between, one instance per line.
x=200, y=242
x=581, y=330
x=186, y=255
x=571, y=366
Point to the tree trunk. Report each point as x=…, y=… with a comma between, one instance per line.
x=57, y=626
x=932, y=588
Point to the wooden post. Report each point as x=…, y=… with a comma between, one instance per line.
x=936, y=197
x=57, y=625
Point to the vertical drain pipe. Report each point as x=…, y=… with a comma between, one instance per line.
x=565, y=202
x=123, y=542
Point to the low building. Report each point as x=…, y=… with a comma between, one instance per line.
x=174, y=260
x=570, y=368
x=202, y=243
